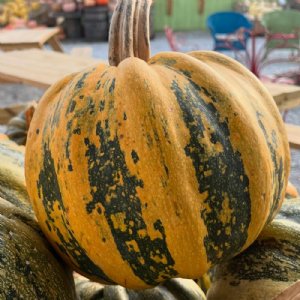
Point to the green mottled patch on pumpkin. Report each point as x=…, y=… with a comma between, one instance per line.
x=50, y=194
x=224, y=238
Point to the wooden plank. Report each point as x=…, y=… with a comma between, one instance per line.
x=55, y=44
x=2, y=80
x=286, y=96
x=46, y=35
x=40, y=68
x=36, y=72
x=38, y=57
x=34, y=54
x=25, y=36
x=29, y=38
x=293, y=133
x=20, y=46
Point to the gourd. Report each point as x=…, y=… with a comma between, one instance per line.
x=17, y=126
x=268, y=267
x=291, y=191
x=150, y=169
x=173, y=289
x=29, y=270
x=3, y=137
x=12, y=178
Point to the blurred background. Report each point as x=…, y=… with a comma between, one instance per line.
x=89, y=19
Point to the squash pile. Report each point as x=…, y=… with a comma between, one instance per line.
x=29, y=269
x=154, y=168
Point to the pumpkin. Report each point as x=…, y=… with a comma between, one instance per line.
x=291, y=191
x=3, y=137
x=29, y=270
x=268, y=267
x=172, y=289
x=12, y=178
x=166, y=165
x=17, y=126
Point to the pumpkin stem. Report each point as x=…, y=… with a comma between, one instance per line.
x=129, y=31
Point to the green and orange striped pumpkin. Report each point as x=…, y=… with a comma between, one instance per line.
x=153, y=168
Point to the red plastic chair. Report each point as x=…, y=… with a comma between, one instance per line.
x=171, y=38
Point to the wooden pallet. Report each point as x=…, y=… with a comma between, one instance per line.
x=286, y=96
x=40, y=68
x=293, y=133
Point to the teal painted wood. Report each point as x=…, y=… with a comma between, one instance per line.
x=185, y=14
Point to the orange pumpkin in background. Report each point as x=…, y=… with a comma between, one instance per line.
x=291, y=191
x=149, y=169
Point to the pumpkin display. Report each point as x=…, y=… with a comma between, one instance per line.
x=154, y=168
x=172, y=289
x=29, y=270
x=12, y=179
x=268, y=267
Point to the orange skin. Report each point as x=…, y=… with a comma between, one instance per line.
x=291, y=191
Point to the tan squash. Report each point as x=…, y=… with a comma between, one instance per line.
x=3, y=137
x=291, y=191
x=268, y=267
x=29, y=270
x=150, y=169
x=12, y=179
